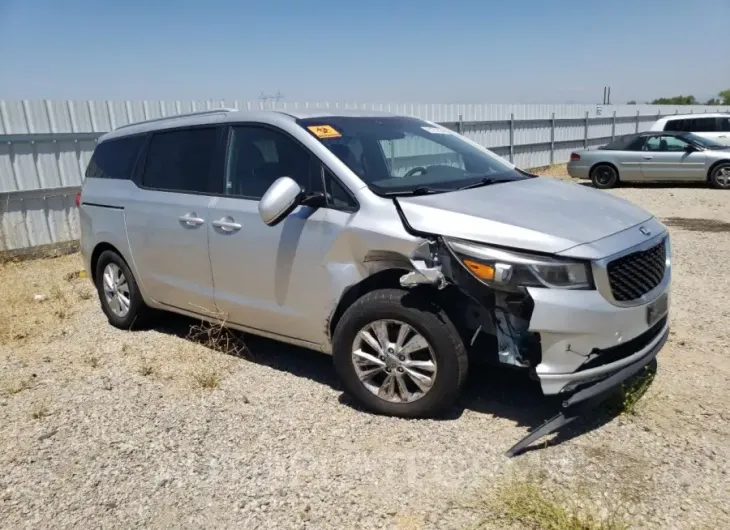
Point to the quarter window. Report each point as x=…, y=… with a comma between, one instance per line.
x=181, y=160
x=337, y=196
x=258, y=156
x=115, y=159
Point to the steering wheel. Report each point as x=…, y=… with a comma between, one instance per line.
x=413, y=171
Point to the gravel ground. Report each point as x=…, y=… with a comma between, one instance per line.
x=107, y=428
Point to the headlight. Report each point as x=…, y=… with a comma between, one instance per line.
x=510, y=270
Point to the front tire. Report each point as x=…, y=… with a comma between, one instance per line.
x=119, y=293
x=720, y=176
x=604, y=177
x=398, y=354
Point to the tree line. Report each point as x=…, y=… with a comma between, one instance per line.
x=723, y=98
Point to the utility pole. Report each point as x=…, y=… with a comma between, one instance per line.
x=276, y=97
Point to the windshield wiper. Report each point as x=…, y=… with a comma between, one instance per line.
x=485, y=181
x=418, y=190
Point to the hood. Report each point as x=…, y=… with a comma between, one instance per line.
x=539, y=214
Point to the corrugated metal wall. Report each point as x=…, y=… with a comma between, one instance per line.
x=46, y=145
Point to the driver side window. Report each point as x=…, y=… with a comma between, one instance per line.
x=664, y=143
x=412, y=151
x=259, y=155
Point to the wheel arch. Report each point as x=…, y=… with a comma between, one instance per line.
x=384, y=279
x=99, y=249
x=714, y=165
x=451, y=299
x=604, y=163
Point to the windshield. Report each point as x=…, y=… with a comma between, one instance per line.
x=397, y=155
x=703, y=142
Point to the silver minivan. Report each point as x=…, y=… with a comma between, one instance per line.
x=400, y=247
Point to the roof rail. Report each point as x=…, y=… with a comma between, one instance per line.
x=208, y=112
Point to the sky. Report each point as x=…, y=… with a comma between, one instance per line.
x=425, y=51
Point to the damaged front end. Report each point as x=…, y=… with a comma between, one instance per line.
x=496, y=318
x=542, y=313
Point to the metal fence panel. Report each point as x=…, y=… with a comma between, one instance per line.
x=46, y=145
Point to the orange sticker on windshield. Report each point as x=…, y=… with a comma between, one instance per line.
x=324, y=131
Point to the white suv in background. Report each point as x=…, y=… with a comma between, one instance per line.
x=715, y=127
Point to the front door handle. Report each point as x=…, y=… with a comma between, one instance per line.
x=190, y=219
x=226, y=224
x=648, y=157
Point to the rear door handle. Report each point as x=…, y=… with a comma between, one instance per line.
x=191, y=219
x=648, y=157
x=226, y=225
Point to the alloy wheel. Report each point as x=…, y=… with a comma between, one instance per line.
x=116, y=290
x=394, y=361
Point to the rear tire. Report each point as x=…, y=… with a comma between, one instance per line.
x=720, y=176
x=427, y=365
x=604, y=176
x=119, y=293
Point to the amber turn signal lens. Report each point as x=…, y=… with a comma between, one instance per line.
x=485, y=272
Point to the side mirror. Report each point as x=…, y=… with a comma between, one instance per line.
x=690, y=148
x=282, y=197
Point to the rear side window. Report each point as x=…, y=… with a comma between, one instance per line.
x=692, y=125
x=181, y=160
x=704, y=125
x=621, y=144
x=723, y=124
x=115, y=159
x=677, y=125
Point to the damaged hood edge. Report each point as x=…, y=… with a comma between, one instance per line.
x=537, y=214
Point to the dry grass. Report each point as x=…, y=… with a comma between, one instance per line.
x=409, y=522
x=216, y=336
x=559, y=171
x=39, y=411
x=523, y=503
x=147, y=368
x=37, y=295
x=16, y=385
x=92, y=360
x=207, y=378
x=633, y=392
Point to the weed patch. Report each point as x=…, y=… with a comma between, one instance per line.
x=633, y=392
x=524, y=503
x=216, y=336
x=207, y=378
x=39, y=411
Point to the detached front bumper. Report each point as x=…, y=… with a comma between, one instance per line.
x=585, y=338
x=584, y=400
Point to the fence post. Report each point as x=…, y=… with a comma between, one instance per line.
x=637, y=121
x=512, y=137
x=460, y=125
x=552, y=139
x=585, y=132
x=613, y=127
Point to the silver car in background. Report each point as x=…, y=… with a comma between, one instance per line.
x=654, y=157
x=392, y=243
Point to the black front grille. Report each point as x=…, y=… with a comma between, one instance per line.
x=634, y=275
